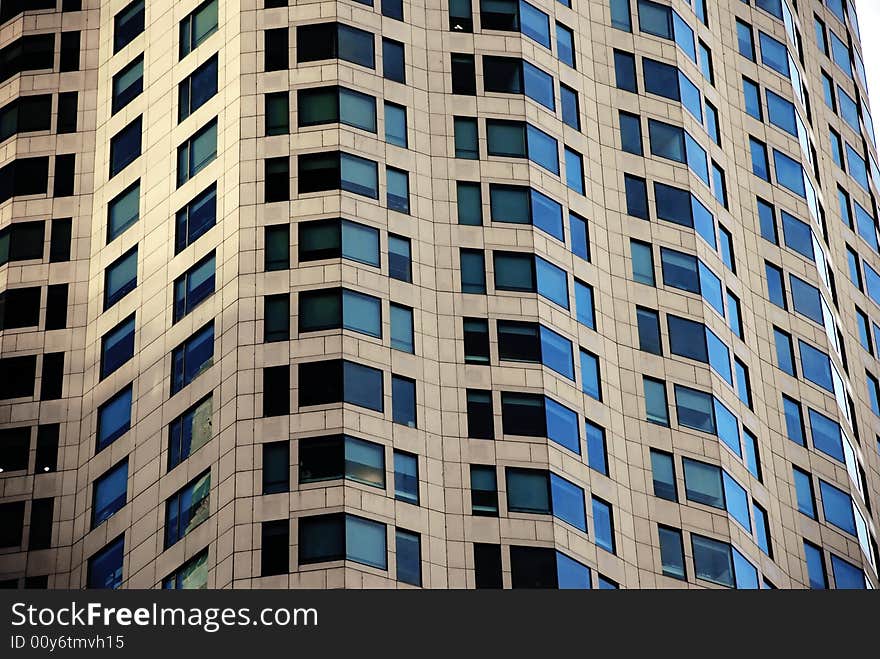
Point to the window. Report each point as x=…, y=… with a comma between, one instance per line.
x=565, y=45
x=105, y=566
x=128, y=24
x=323, y=41
x=117, y=346
x=192, y=575
x=603, y=524
x=52, y=376
x=123, y=210
x=762, y=529
x=327, y=105
x=625, y=71
x=125, y=147
x=476, y=341
x=713, y=560
x=519, y=204
x=190, y=431
x=341, y=381
x=648, y=322
x=399, y=258
x=326, y=239
x=109, y=493
x=837, y=507
x=56, y=306
x=277, y=247
x=775, y=285
x=469, y=203
x=621, y=18
x=192, y=357
x=847, y=575
x=28, y=53
x=403, y=400
x=512, y=75
x=592, y=383
x=517, y=139
x=784, y=351
x=806, y=500
x=397, y=183
x=536, y=491
x=336, y=170
x=65, y=170
x=541, y=567
x=15, y=446
x=480, y=419
x=276, y=317
x=197, y=152
x=406, y=477
x=642, y=262
x=752, y=96
x=816, y=366
x=464, y=75
x=484, y=491
x=574, y=170
x=194, y=219
x=41, y=524
x=656, y=404
x=276, y=49
x=487, y=565
x=826, y=435
x=120, y=278
x=466, y=138
x=128, y=84
x=187, y=508
x=713, y=123
x=760, y=164
x=695, y=409
x=395, y=124
x=276, y=390
x=409, y=557
x=26, y=367
x=752, y=455
x=197, y=88
x=277, y=113
x=473, y=271
x=276, y=467
x=671, y=552
x=20, y=307
x=597, y=452
x=663, y=475
x=393, y=63
x=274, y=547
x=571, y=114
x=198, y=26
x=402, y=328
x=193, y=286
x=585, y=308
x=815, y=566
x=341, y=456
x=743, y=385
x=114, y=418
x=277, y=179
x=630, y=133
x=460, y=16
x=67, y=112
x=580, y=236
x=342, y=537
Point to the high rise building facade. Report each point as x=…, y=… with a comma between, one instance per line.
x=441, y=294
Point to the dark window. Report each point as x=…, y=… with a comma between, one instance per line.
x=649, y=330
x=195, y=154
x=276, y=317
x=403, y=401
x=571, y=113
x=338, y=536
x=187, y=508
x=120, y=277
x=47, y=448
x=461, y=19
x=473, y=271
x=636, y=190
x=24, y=176
x=195, y=90
x=11, y=523
x=65, y=170
x=341, y=456
x=25, y=368
x=467, y=142
x=15, y=445
x=128, y=24
x=336, y=170
x=393, y=9
x=476, y=341
x=409, y=557
x=20, y=307
x=128, y=84
x=484, y=490
x=192, y=357
x=334, y=308
x=276, y=467
x=193, y=286
x=194, y=219
x=663, y=475
x=22, y=241
x=125, y=147
x=464, y=74
x=397, y=189
x=276, y=251
x=198, y=26
x=123, y=210
x=672, y=553
x=326, y=239
x=277, y=49
x=277, y=113
x=334, y=40
x=105, y=566
x=399, y=258
x=406, y=477
x=338, y=380
x=26, y=114
x=109, y=493
x=52, y=376
x=28, y=53
x=487, y=565
x=533, y=567
x=190, y=431
x=276, y=390
x=402, y=330
x=393, y=63
x=114, y=418
x=117, y=346
x=275, y=547
x=41, y=524
x=480, y=414
x=277, y=179
x=630, y=133
x=10, y=8
x=69, y=60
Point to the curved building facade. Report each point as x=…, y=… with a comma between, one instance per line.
x=465, y=294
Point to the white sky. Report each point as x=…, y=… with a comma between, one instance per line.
x=869, y=26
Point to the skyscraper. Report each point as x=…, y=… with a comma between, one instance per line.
x=450, y=294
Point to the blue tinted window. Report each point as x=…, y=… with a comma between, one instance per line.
x=866, y=226
x=621, y=18
x=760, y=164
x=848, y=109
x=789, y=173
x=798, y=235
x=719, y=356
x=630, y=133
x=807, y=299
x=694, y=409
x=803, y=484
x=591, y=385
x=794, y=422
x=815, y=566
x=774, y=54
x=655, y=19
x=826, y=435
x=109, y=493
x=556, y=352
x=571, y=575
x=552, y=282
x=568, y=502
x=784, y=352
x=684, y=36
x=543, y=149
x=580, y=237
x=193, y=356
x=597, y=454
x=840, y=53
x=710, y=288
x=745, y=574
x=105, y=567
x=565, y=45
x=837, y=507
x=562, y=425
x=713, y=560
x=603, y=523
x=583, y=302
x=857, y=167
x=666, y=140
x=538, y=85
x=752, y=457
x=775, y=286
x=574, y=170
x=534, y=23
x=117, y=346
x=546, y=214
x=816, y=366
x=745, y=40
x=114, y=417
x=781, y=113
x=728, y=428
x=846, y=575
x=737, y=501
x=753, y=99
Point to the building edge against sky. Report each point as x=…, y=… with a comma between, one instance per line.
x=453, y=294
